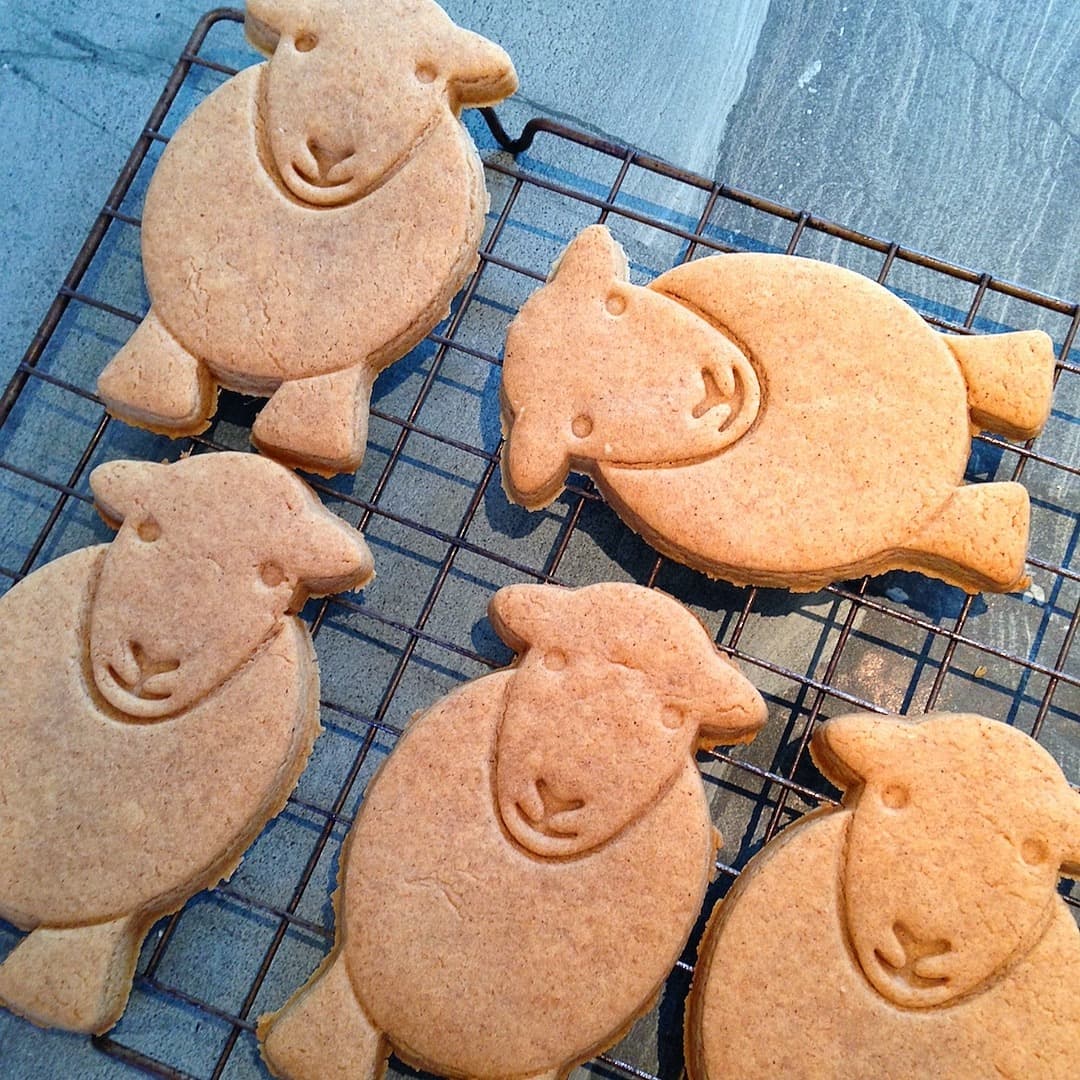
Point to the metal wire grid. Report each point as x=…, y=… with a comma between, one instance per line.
x=428, y=499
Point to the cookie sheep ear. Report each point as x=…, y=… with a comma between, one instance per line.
x=535, y=462
x=522, y=613
x=263, y=23
x=118, y=487
x=1070, y=840
x=852, y=749
x=271, y=12
x=328, y=556
x=727, y=705
x=591, y=263
x=478, y=72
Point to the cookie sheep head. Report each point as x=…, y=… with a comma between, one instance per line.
x=937, y=803
x=338, y=67
x=598, y=369
x=211, y=553
x=641, y=686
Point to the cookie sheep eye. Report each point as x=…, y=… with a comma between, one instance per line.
x=555, y=660
x=272, y=575
x=426, y=73
x=615, y=304
x=148, y=530
x=896, y=796
x=305, y=42
x=671, y=717
x=582, y=426
x=1034, y=851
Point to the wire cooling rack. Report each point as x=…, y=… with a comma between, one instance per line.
x=429, y=500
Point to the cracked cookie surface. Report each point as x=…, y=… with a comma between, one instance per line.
x=539, y=830
x=915, y=930
x=158, y=701
x=770, y=420
x=309, y=223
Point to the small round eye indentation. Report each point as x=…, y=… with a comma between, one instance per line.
x=896, y=796
x=148, y=530
x=306, y=41
x=582, y=426
x=555, y=660
x=615, y=304
x=1034, y=851
x=426, y=73
x=671, y=717
x=271, y=574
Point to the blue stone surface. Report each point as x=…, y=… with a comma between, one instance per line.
x=948, y=127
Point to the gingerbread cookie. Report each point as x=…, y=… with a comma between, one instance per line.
x=770, y=420
x=158, y=700
x=309, y=223
x=539, y=830
x=916, y=930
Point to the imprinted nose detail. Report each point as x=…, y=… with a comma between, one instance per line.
x=912, y=959
x=326, y=158
x=543, y=805
x=553, y=803
x=713, y=395
x=143, y=678
x=724, y=397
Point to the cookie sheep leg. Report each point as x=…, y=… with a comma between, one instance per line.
x=323, y=1033
x=77, y=978
x=1010, y=379
x=318, y=424
x=154, y=382
x=978, y=540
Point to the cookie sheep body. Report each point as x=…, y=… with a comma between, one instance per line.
x=877, y=940
x=797, y=423
x=427, y=890
x=158, y=701
x=529, y=862
x=241, y=275
x=191, y=785
x=309, y=223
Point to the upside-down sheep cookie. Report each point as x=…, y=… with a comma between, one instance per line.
x=158, y=701
x=309, y=223
x=770, y=420
x=914, y=931
x=529, y=862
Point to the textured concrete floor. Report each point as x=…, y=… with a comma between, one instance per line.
x=77, y=81
x=947, y=126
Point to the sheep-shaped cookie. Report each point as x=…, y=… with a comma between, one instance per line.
x=915, y=931
x=309, y=223
x=769, y=419
x=528, y=863
x=158, y=700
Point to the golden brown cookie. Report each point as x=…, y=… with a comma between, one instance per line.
x=158, y=700
x=309, y=223
x=770, y=420
x=541, y=830
x=914, y=931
